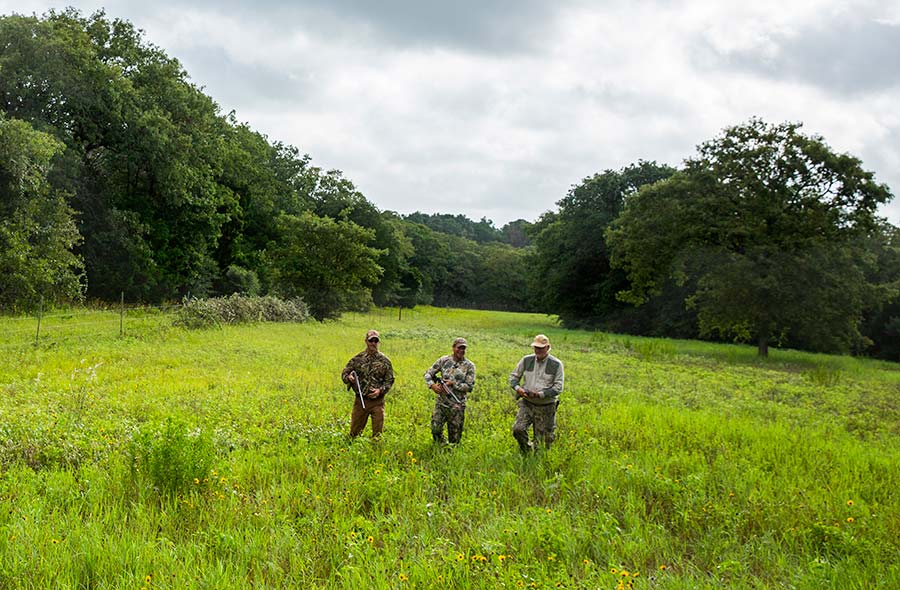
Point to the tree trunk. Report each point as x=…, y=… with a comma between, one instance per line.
x=762, y=348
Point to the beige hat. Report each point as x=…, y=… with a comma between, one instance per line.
x=541, y=341
x=372, y=333
x=460, y=342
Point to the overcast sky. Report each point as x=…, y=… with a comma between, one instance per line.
x=496, y=108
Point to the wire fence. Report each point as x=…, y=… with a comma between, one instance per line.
x=68, y=325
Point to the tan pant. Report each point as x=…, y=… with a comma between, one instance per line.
x=360, y=415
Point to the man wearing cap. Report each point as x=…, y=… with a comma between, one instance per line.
x=457, y=378
x=537, y=381
x=374, y=376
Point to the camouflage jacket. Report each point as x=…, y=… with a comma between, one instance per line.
x=374, y=372
x=461, y=375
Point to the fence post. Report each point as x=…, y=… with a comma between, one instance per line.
x=37, y=335
x=122, y=314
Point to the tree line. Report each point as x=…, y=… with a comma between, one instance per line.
x=120, y=176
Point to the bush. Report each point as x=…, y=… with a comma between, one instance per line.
x=171, y=456
x=240, y=309
x=238, y=279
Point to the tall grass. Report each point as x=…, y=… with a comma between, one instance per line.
x=678, y=464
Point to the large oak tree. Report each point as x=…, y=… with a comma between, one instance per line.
x=769, y=225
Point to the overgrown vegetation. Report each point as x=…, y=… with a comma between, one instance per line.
x=679, y=464
x=240, y=309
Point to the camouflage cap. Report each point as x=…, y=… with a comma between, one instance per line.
x=372, y=333
x=541, y=341
x=460, y=342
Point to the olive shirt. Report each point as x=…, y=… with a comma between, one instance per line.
x=542, y=377
x=374, y=371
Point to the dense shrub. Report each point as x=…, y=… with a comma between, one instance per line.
x=171, y=456
x=240, y=309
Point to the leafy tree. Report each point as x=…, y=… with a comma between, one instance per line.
x=458, y=225
x=501, y=278
x=429, y=257
x=767, y=223
x=515, y=233
x=143, y=149
x=570, y=261
x=881, y=324
x=37, y=230
x=324, y=261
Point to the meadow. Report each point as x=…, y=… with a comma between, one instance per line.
x=218, y=458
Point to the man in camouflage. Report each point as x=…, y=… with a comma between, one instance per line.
x=375, y=376
x=457, y=378
x=537, y=381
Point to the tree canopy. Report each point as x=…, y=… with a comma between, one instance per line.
x=769, y=223
x=572, y=273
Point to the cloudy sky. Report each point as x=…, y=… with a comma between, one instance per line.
x=494, y=108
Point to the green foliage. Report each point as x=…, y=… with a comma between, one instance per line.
x=143, y=147
x=570, y=268
x=37, y=229
x=172, y=456
x=768, y=224
x=240, y=280
x=458, y=225
x=324, y=261
x=239, y=309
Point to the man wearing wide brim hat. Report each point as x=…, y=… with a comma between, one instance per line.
x=538, y=381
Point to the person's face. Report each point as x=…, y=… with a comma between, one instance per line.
x=541, y=352
x=372, y=344
x=459, y=352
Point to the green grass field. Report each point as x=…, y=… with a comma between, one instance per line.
x=218, y=458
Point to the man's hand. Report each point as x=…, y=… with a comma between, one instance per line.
x=374, y=393
x=436, y=387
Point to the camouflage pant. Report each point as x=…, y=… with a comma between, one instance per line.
x=543, y=418
x=453, y=416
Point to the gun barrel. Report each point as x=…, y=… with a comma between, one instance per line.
x=358, y=389
x=449, y=392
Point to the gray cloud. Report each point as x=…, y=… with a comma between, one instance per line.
x=848, y=56
x=232, y=82
x=496, y=108
x=496, y=27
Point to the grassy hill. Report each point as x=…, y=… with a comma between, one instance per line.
x=218, y=458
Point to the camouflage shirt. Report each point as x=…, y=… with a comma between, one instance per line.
x=374, y=371
x=461, y=375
